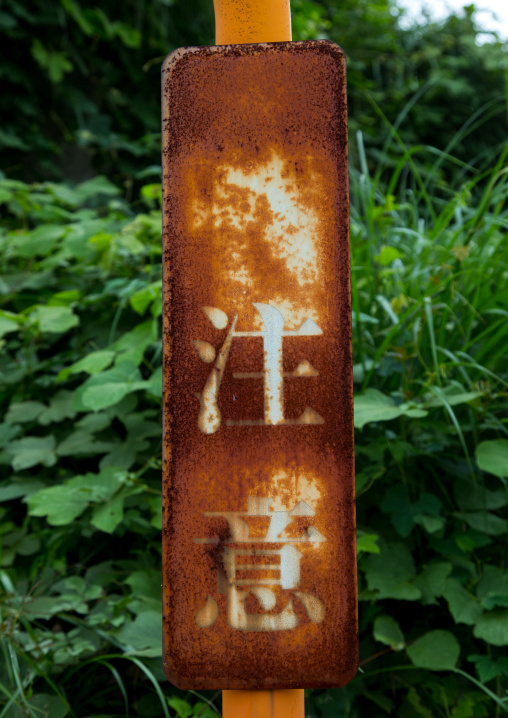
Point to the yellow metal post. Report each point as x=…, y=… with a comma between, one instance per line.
x=245, y=21
x=238, y=22
x=263, y=704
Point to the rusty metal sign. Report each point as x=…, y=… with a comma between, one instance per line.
x=259, y=529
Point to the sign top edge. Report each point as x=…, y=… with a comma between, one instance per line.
x=204, y=51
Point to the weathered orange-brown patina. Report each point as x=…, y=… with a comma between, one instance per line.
x=258, y=417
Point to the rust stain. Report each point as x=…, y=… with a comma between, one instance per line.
x=258, y=546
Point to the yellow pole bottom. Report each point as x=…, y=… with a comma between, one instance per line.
x=263, y=704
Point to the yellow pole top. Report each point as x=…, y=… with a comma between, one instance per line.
x=246, y=21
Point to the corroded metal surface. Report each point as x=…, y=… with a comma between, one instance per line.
x=258, y=532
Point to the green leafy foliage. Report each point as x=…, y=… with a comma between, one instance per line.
x=387, y=630
x=80, y=361
x=95, y=69
x=436, y=650
x=492, y=456
x=81, y=398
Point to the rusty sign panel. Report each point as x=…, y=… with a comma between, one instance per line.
x=259, y=531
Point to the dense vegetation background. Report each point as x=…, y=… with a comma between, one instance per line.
x=80, y=363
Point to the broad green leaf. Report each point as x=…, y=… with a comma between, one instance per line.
x=492, y=589
x=152, y=191
x=65, y=298
x=107, y=516
x=139, y=427
x=396, y=502
x=46, y=606
x=101, y=486
x=19, y=487
x=387, y=631
x=76, y=643
x=45, y=704
x=130, y=36
x=28, y=545
x=484, y=522
x=5, y=195
x=104, y=395
x=454, y=394
x=364, y=480
x=463, y=606
x=109, y=387
x=8, y=432
x=472, y=496
x=492, y=456
x=24, y=412
x=98, y=185
x=60, y=504
x=144, y=297
x=17, y=542
x=373, y=406
x=145, y=583
x=181, y=707
x=425, y=511
x=154, y=384
x=390, y=573
x=143, y=635
x=64, y=194
x=92, y=363
x=32, y=450
x=431, y=524
x=366, y=543
x=75, y=584
x=54, y=319
x=101, y=240
x=143, y=335
x=156, y=508
x=432, y=581
x=202, y=710
x=41, y=241
x=123, y=408
x=151, y=170
x=130, y=242
x=388, y=255
x=7, y=326
x=42, y=606
x=60, y=408
x=19, y=319
x=489, y=667
x=492, y=627
x=92, y=423
x=80, y=443
x=436, y=651
x=123, y=456
x=470, y=540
